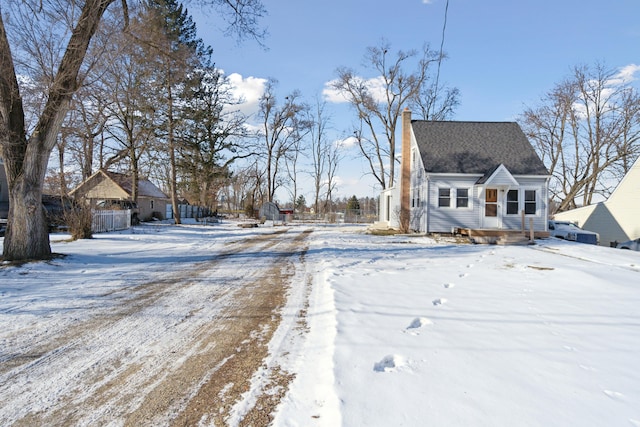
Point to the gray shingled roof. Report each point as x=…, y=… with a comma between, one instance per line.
x=475, y=147
x=145, y=187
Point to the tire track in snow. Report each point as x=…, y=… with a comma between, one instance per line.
x=197, y=337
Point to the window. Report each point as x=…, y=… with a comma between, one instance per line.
x=512, y=202
x=530, y=207
x=462, y=198
x=151, y=204
x=444, y=197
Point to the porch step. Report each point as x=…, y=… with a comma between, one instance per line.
x=496, y=237
x=380, y=225
x=514, y=239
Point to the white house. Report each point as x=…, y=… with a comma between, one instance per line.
x=474, y=175
x=617, y=219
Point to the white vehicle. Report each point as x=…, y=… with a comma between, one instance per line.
x=633, y=245
x=569, y=231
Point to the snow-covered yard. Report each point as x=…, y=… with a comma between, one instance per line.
x=399, y=330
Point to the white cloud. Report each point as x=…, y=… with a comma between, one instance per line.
x=346, y=143
x=374, y=85
x=247, y=89
x=426, y=2
x=332, y=95
x=627, y=73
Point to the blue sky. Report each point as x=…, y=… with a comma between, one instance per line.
x=502, y=55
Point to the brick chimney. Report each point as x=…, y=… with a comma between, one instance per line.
x=405, y=171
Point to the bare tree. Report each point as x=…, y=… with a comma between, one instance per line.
x=282, y=128
x=319, y=152
x=87, y=121
x=132, y=108
x=436, y=103
x=301, y=127
x=26, y=154
x=334, y=156
x=378, y=102
x=587, y=131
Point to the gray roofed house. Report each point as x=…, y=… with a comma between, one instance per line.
x=475, y=147
x=112, y=186
x=463, y=174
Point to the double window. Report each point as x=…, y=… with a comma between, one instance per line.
x=530, y=204
x=461, y=197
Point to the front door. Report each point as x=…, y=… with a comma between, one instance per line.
x=491, y=217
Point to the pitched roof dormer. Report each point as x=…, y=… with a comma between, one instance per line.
x=498, y=177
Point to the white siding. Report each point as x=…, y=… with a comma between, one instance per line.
x=389, y=205
x=624, y=203
x=502, y=178
x=615, y=219
x=443, y=219
x=541, y=216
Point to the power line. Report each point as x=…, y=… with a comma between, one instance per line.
x=444, y=28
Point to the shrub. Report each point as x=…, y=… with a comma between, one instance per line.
x=79, y=221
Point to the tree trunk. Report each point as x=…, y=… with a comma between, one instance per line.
x=25, y=159
x=172, y=155
x=27, y=234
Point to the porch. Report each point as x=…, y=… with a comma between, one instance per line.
x=501, y=237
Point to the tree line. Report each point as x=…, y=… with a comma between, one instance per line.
x=586, y=129
x=108, y=84
x=130, y=87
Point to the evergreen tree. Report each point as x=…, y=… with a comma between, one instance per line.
x=353, y=203
x=178, y=52
x=301, y=203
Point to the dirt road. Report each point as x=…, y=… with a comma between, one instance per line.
x=154, y=362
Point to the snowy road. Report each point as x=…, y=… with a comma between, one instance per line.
x=179, y=347
x=223, y=326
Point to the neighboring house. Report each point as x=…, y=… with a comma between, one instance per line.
x=473, y=175
x=617, y=219
x=111, y=186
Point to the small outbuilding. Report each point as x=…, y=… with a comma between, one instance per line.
x=111, y=186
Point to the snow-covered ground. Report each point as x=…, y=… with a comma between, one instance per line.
x=402, y=330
